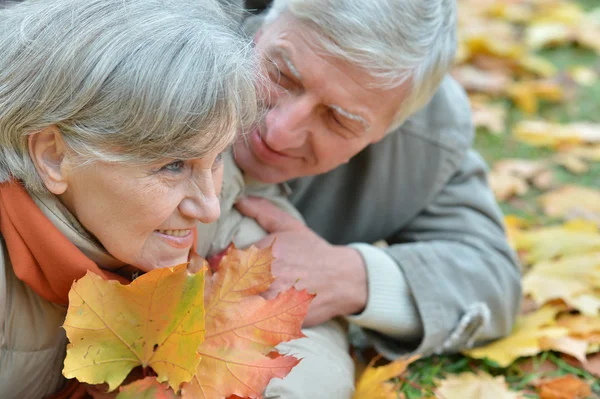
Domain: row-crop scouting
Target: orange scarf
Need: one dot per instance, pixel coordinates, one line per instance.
(42, 257)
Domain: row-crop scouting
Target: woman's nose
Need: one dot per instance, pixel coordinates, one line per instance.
(202, 203)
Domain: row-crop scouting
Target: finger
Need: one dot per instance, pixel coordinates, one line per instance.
(269, 216)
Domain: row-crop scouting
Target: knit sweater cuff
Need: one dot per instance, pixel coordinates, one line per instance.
(391, 309)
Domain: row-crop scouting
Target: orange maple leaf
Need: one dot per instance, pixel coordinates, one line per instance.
(243, 328)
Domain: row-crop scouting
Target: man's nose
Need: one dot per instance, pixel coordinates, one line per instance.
(287, 123)
(202, 202)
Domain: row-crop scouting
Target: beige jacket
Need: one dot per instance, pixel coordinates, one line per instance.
(32, 342)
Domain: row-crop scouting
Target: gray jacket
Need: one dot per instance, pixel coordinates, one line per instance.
(424, 190)
(449, 279)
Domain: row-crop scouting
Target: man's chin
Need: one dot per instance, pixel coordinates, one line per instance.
(266, 174)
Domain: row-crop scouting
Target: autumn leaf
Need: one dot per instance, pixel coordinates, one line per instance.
(582, 326)
(568, 345)
(475, 386)
(570, 200)
(510, 177)
(551, 242)
(476, 80)
(243, 328)
(156, 321)
(489, 116)
(525, 338)
(373, 383)
(573, 279)
(565, 387)
(546, 134)
(147, 388)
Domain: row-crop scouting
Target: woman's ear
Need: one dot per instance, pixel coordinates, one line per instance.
(47, 151)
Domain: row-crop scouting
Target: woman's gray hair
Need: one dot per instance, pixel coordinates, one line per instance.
(133, 81)
(394, 41)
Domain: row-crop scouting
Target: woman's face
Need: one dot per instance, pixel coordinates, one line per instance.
(145, 215)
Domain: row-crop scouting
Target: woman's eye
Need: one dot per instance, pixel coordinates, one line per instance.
(175, 166)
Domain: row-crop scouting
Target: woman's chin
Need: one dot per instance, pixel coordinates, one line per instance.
(159, 262)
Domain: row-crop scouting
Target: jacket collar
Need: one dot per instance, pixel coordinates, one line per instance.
(68, 225)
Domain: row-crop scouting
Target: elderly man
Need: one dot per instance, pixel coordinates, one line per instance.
(372, 140)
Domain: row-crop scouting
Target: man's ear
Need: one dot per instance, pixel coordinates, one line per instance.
(48, 151)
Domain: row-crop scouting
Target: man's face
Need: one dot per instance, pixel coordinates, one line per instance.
(321, 110)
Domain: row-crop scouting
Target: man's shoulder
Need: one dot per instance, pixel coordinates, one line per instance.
(445, 121)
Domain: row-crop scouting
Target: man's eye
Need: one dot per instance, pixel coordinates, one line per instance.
(175, 166)
(218, 161)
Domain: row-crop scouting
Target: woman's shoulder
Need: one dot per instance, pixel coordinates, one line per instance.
(30, 337)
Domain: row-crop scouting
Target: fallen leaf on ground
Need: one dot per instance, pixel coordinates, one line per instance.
(569, 199)
(525, 337)
(553, 135)
(505, 186)
(475, 386)
(156, 321)
(242, 328)
(527, 94)
(565, 387)
(512, 177)
(476, 80)
(571, 346)
(489, 116)
(550, 242)
(583, 76)
(592, 365)
(586, 153)
(571, 163)
(374, 381)
(573, 279)
(581, 326)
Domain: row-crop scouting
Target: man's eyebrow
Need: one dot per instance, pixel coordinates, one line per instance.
(290, 65)
(351, 116)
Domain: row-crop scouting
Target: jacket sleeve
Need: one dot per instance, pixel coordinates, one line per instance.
(457, 270)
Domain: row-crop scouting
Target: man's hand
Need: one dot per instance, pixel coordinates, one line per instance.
(303, 259)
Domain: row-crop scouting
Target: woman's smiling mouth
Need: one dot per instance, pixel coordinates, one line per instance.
(177, 238)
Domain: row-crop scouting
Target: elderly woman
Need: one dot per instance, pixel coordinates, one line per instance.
(113, 116)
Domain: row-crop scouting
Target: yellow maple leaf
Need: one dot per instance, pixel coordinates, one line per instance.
(526, 94)
(546, 134)
(581, 326)
(574, 279)
(475, 386)
(546, 243)
(373, 383)
(525, 337)
(156, 321)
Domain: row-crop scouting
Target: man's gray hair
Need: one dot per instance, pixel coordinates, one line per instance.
(394, 41)
(134, 81)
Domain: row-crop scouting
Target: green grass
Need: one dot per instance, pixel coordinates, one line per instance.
(423, 374)
(584, 106)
